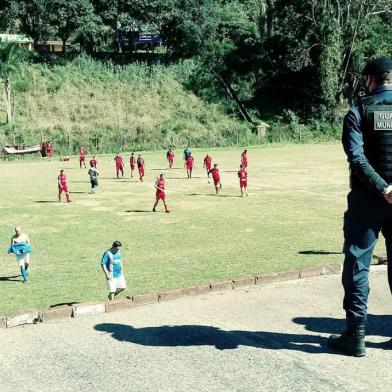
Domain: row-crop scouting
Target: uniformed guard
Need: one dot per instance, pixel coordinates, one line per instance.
(367, 142)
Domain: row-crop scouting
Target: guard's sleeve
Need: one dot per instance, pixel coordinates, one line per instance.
(352, 139)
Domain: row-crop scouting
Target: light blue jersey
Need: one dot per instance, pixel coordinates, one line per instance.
(113, 262)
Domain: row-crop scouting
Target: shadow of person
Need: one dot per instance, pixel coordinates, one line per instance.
(10, 278)
(377, 325)
(202, 335)
(318, 252)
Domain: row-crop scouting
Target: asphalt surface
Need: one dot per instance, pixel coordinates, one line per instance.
(270, 338)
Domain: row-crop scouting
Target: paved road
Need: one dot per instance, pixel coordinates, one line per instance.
(259, 339)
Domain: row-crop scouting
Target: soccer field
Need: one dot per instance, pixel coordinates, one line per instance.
(292, 218)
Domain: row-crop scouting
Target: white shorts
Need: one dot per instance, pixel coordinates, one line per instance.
(116, 283)
(22, 259)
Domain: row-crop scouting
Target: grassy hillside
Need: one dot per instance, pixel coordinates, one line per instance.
(107, 107)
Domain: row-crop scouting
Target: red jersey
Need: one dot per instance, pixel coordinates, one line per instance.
(140, 162)
(207, 162)
(170, 156)
(49, 150)
(160, 184)
(242, 174)
(82, 152)
(119, 161)
(62, 180)
(215, 174)
(244, 159)
(132, 161)
(93, 162)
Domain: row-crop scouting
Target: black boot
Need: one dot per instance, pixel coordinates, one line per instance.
(351, 341)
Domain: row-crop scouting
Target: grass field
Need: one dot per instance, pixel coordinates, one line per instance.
(292, 218)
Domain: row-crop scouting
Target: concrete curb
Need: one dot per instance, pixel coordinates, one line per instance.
(88, 308)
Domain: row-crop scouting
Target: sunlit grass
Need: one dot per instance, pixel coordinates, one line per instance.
(295, 204)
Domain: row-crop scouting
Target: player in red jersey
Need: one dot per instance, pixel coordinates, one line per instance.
(140, 166)
(132, 163)
(93, 162)
(244, 159)
(160, 193)
(207, 164)
(49, 149)
(62, 185)
(216, 178)
(119, 165)
(170, 158)
(189, 165)
(82, 157)
(243, 176)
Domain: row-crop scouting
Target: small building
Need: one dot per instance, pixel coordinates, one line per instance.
(51, 46)
(20, 39)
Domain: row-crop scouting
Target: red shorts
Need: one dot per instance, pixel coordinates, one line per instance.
(119, 167)
(216, 181)
(171, 161)
(141, 170)
(81, 158)
(208, 168)
(63, 188)
(189, 166)
(243, 183)
(160, 195)
(132, 167)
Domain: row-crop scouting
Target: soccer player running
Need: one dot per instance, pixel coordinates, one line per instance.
(119, 165)
(20, 246)
(93, 173)
(216, 178)
(189, 163)
(207, 164)
(243, 176)
(112, 266)
(244, 159)
(82, 157)
(63, 186)
(170, 158)
(132, 163)
(93, 162)
(160, 192)
(140, 166)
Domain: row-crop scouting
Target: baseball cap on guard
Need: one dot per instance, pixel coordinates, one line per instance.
(378, 66)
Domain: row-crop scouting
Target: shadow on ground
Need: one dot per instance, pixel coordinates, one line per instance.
(15, 278)
(200, 335)
(318, 252)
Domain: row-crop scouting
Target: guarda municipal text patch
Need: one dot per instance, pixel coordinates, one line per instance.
(383, 120)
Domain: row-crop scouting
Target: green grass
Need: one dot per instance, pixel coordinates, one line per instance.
(296, 203)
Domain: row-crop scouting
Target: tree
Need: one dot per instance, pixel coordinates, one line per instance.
(9, 62)
(69, 16)
(33, 17)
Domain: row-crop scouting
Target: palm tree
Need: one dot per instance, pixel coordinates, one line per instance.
(9, 63)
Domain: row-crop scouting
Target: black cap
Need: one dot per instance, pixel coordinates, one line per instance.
(377, 66)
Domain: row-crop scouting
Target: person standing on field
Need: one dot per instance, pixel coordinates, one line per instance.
(160, 192)
(140, 167)
(93, 173)
(82, 157)
(207, 164)
(20, 246)
(216, 178)
(189, 163)
(367, 141)
(112, 266)
(119, 165)
(132, 163)
(243, 176)
(63, 186)
(170, 158)
(244, 159)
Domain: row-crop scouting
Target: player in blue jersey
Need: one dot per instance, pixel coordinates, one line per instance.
(112, 266)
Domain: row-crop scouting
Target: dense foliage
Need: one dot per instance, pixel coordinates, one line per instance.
(285, 60)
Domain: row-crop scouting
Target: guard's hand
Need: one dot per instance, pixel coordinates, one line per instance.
(388, 194)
